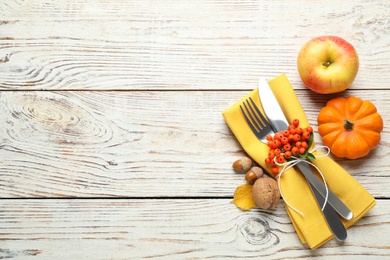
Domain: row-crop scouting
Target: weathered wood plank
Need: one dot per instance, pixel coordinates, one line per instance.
(174, 229)
(141, 144)
(151, 139)
(175, 44)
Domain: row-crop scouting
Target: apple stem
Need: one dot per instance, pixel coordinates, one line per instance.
(326, 63)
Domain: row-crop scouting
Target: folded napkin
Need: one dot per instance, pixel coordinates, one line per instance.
(311, 228)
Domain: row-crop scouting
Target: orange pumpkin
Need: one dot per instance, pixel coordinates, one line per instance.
(350, 126)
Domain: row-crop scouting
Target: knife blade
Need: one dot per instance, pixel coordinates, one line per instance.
(279, 122)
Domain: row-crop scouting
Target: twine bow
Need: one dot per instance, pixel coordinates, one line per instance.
(291, 163)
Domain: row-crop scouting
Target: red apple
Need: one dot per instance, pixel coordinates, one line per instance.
(328, 64)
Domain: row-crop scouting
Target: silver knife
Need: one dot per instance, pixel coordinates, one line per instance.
(279, 122)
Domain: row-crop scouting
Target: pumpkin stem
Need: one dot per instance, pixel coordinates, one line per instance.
(348, 125)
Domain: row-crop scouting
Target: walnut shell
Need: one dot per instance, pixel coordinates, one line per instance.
(266, 193)
(242, 165)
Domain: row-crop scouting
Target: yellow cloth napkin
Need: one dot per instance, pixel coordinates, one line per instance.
(311, 228)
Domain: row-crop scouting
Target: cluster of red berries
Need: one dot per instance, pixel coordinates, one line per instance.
(293, 141)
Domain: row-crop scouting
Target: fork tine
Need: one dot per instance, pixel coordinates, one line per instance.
(263, 120)
(254, 130)
(256, 120)
(254, 115)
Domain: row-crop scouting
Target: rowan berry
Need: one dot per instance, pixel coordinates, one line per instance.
(288, 143)
(297, 137)
(286, 133)
(279, 159)
(305, 135)
(287, 147)
(309, 129)
(271, 154)
(275, 143)
(277, 136)
(294, 150)
(284, 140)
(287, 154)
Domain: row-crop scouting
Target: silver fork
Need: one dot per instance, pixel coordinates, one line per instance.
(261, 128)
(256, 121)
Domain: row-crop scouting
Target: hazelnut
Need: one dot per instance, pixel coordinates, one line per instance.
(242, 165)
(253, 174)
(266, 193)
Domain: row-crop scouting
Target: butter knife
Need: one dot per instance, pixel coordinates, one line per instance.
(279, 123)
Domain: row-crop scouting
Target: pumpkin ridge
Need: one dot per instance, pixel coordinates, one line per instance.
(371, 138)
(371, 122)
(330, 127)
(358, 150)
(366, 109)
(353, 106)
(336, 109)
(331, 138)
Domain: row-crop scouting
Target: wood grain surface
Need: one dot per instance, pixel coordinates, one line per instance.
(171, 228)
(112, 142)
(189, 44)
(139, 144)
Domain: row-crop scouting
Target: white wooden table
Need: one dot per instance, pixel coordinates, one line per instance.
(112, 142)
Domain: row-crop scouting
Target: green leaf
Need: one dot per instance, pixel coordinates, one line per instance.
(311, 139)
(310, 156)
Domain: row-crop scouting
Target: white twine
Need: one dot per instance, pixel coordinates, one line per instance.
(289, 164)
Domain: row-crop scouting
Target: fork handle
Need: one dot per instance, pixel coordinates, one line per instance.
(319, 186)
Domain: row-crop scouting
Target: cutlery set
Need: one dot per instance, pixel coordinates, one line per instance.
(274, 121)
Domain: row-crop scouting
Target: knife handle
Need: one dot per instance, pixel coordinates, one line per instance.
(333, 200)
(332, 218)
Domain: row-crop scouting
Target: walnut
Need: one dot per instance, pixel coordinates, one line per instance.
(266, 193)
